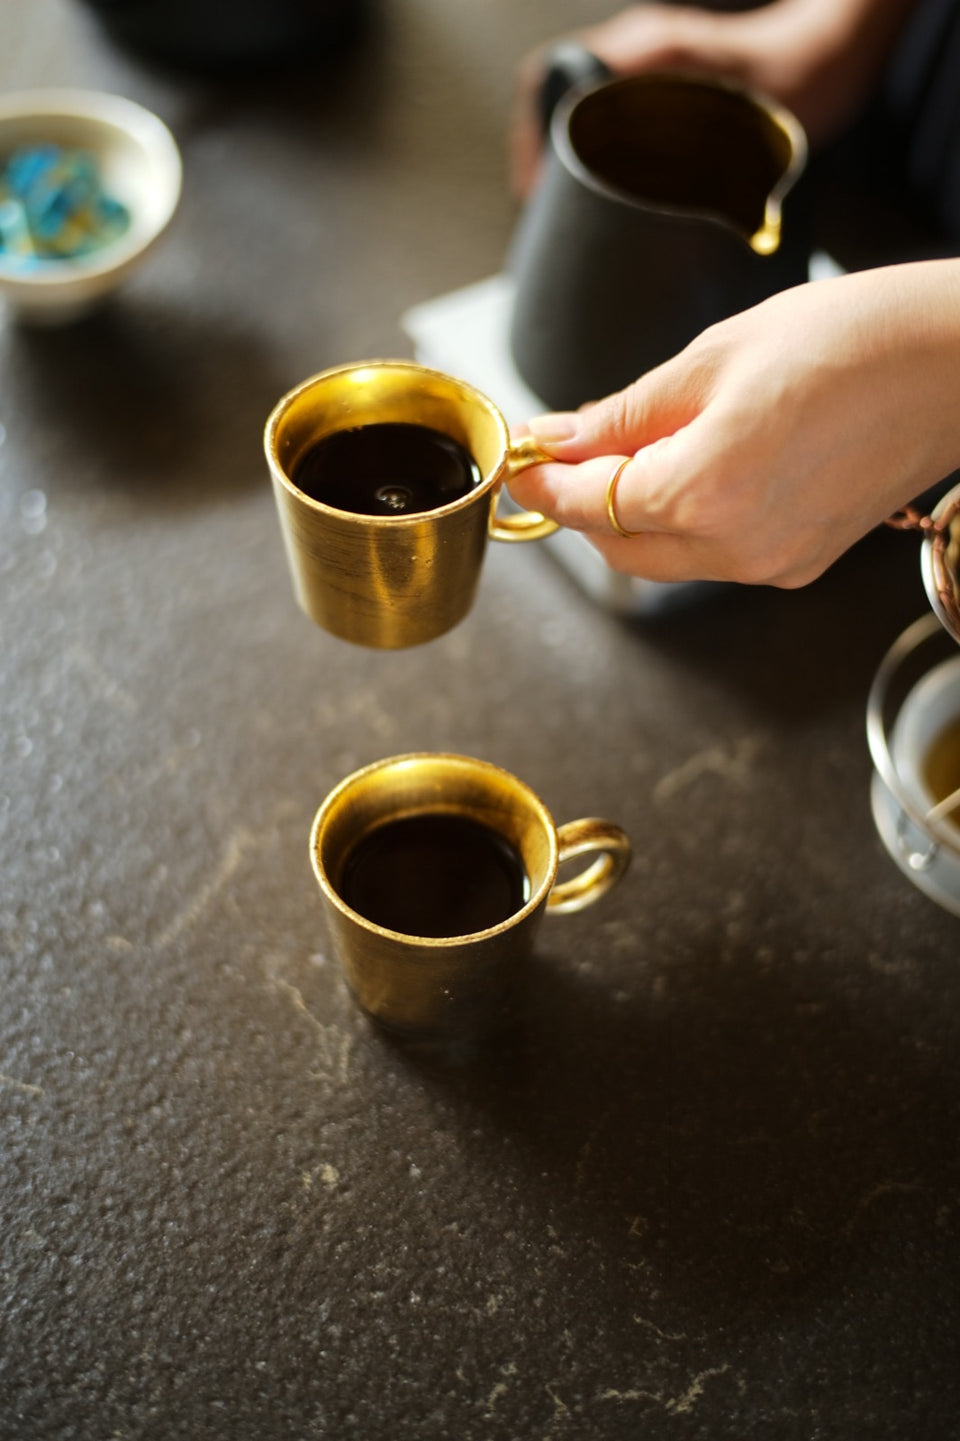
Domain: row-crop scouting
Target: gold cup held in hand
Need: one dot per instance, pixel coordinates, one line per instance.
(435, 871)
(386, 477)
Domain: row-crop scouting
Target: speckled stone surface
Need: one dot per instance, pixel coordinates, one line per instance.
(708, 1185)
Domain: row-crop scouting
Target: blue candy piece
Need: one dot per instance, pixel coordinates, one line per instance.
(26, 166)
(52, 204)
(14, 230)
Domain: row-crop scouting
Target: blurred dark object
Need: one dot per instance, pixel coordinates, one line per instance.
(218, 35)
(922, 96)
(889, 188)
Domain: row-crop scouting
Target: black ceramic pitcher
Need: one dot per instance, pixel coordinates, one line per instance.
(660, 210)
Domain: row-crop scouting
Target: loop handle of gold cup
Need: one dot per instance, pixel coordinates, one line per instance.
(586, 837)
(524, 524)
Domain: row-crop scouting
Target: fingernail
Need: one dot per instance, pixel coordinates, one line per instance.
(555, 427)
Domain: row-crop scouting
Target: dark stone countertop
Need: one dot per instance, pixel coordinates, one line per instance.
(709, 1187)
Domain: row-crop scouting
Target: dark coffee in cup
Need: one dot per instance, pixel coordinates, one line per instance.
(435, 874)
(389, 468)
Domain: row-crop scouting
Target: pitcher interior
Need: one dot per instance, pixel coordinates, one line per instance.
(683, 144)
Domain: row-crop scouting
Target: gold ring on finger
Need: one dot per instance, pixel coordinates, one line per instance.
(615, 525)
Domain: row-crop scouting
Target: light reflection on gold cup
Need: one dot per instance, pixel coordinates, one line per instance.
(456, 985)
(392, 581)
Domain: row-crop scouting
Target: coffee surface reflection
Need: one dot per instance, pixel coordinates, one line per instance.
(388, 468)
(435, 874)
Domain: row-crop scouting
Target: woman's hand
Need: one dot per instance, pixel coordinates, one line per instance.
(775, 439)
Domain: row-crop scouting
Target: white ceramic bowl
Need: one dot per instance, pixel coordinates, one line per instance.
(139, 165)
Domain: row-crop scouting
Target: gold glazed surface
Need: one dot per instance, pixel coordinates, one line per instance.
(460, 984)
(392, 581)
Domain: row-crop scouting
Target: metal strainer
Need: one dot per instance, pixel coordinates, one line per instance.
(940, 557)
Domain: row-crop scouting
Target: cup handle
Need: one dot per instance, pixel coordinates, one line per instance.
(568, 64)
(579, 838)
(521, 524)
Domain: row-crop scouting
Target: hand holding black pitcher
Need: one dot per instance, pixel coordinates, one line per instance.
(660, 210)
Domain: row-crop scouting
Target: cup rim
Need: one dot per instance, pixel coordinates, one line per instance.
(881, 740)
(453, 760)
(391, 522)
(560, 133)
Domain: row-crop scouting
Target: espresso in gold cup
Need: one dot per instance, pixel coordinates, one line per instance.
(386, 477)
(436, 871)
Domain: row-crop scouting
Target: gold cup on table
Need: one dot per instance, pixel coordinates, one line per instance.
(386, 476)
(435, 871)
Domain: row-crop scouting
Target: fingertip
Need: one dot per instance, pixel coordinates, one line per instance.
(554, 429)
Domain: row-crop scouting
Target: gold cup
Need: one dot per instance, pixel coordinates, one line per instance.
(391, 581)
(452, 985)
